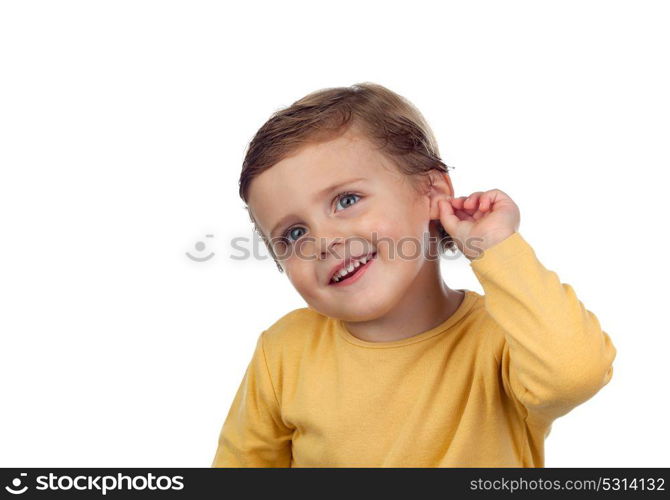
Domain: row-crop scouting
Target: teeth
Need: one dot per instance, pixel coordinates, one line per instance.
(350, 267)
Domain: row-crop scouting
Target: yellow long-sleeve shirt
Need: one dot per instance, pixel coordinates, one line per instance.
(479, 390)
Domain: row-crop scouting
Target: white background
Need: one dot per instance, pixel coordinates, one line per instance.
(123, 126)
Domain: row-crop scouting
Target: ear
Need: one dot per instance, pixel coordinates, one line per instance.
(439, 189)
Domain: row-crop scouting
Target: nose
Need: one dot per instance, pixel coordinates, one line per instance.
(327, 246)
(329, 240)
(339, 245)
(334, 239)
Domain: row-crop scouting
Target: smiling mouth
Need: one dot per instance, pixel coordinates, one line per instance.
(354, 274)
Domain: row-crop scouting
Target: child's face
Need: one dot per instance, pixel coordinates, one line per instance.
(384, 214)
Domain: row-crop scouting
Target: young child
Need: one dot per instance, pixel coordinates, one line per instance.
(387, 366)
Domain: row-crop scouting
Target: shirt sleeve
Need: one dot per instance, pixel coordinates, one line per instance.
(555, 355)
(253, 434)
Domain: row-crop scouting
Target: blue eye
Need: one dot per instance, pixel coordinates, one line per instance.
(348, 196)
(292, 234)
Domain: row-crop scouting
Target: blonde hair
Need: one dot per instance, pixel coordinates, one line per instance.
(387, 119)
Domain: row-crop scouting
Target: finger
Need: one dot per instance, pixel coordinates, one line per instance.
(494, 196)
(463, 216)
(485, 202)
(472, 202)
(478, 214)
(448, 218)
(488, 199)
(457, 203)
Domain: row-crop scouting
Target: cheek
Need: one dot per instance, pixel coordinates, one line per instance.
(300, 273)
(395, 232)
(379, 222)
(380, 232)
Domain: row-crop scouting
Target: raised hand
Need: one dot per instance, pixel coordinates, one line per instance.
(479, 221)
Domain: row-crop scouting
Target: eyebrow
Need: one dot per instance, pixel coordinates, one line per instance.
(318, 196)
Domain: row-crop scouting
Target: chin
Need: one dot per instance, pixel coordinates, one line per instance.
(364, 309)
(374, 300)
